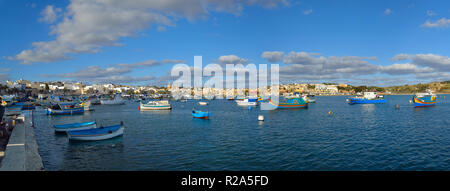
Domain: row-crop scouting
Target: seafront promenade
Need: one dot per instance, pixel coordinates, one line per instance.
(21, 152)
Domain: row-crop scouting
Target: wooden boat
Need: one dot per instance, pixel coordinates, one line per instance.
(295, 102)
(116, 101)
(87, 106)
(96, 134)
(75, 126)
(367, 98)
(424, 99)
(200, 114)
(60, 109)
(155, 105)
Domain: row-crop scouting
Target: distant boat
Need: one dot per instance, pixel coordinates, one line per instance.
(60, 109)
(96, 134)
(367, 98)
(294, 102)
(116, 101)
(311, 98)
(155, 105)
(247, 102)
(202, 103)
(424, 99)
(75, 126)
(87, 106)
(200, 114)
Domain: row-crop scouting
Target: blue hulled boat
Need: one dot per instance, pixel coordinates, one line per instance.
(367, 98)
(75, 126)
(96, 134)
(69, 109)
(424, 99)
(200, 114)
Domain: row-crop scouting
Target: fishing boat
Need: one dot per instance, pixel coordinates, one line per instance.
(291, 102)
(75, 126)
(87, 106)
(367, 98)
(60, 109)
(203, 103)
(96, 134)
(200, 114)
(247, 102)
(311, 98)
(424, 99)
(155, 105)
(116, 101)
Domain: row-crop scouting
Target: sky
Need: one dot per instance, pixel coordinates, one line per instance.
(137, 42)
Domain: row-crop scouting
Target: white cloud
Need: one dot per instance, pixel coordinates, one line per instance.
(430, 13)
(89, 25)
(231, 59)
(399, 57)
(273, 56)
(387, 11)
(50, 14)
(404, 69)
(113, 73)
(307, 12)
(441, 23)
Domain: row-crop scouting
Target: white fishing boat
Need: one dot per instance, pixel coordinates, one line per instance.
(155, 105)
(246, 102)
(203, 103)
(116, 101)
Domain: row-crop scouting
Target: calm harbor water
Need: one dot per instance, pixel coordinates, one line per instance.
(354, 137)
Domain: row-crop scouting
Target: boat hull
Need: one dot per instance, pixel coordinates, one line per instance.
(365, 101)
(423, 103)
(61, 130)
(65, 111)
(154, 107)
(96, 134)
(201, 115)
(112, 102)
(291, 104)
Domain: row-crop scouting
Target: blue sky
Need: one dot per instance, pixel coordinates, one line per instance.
(320, 41)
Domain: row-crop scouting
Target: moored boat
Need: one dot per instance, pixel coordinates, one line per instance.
(247, 102)
(311, 98)
(60, 109)
(155, 105)
(292, 102)
(367, 98)
(200, 114)
(75, 126)
(424, 99)
(116, 101)
(96, 134)
(202, 103)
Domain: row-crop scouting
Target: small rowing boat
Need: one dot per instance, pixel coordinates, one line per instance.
(96, 134)
(200, 114)
(75, 126)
